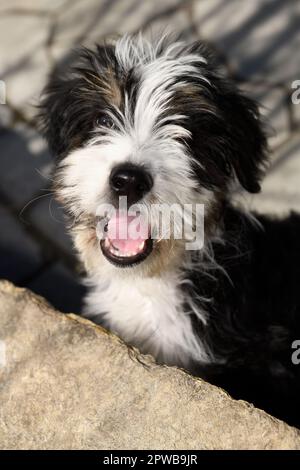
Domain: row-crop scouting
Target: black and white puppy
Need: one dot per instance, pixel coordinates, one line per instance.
(156, 122)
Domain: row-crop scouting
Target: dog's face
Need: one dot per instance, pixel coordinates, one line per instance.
(154, 123)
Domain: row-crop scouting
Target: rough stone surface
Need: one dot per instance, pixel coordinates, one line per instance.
(23, 58)
(68, 384)
(31, 6)
(255, 35)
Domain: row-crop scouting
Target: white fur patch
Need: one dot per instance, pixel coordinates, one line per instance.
(148, 313)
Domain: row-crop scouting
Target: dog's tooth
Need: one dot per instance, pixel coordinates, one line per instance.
(113, 250)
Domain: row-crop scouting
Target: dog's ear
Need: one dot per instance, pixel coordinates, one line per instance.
(53, 113)
(246, 147)
(72, 98)
(232, 132)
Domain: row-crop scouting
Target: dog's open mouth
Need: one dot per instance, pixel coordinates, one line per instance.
(127, 240)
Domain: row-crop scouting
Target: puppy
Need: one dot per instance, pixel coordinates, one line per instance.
(157, 124)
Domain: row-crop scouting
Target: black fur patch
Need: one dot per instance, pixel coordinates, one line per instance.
(254, 317)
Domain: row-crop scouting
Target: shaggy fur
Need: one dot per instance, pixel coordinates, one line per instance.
(229, 311)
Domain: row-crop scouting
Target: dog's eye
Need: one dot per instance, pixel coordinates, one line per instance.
(105, 121)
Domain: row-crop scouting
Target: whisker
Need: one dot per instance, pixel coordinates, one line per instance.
(31, 202)
(46, 177)
(51, 213)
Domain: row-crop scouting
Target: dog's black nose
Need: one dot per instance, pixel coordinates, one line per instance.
(131, 181)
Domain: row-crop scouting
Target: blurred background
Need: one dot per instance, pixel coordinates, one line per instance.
(257, 42)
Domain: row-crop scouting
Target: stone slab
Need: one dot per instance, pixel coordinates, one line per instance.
(68, 384)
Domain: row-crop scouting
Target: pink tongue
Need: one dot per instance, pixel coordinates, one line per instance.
(127, 233)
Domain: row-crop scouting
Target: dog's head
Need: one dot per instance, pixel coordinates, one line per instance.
(155, 123)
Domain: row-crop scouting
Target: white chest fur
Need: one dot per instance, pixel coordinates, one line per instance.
(148, 314)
